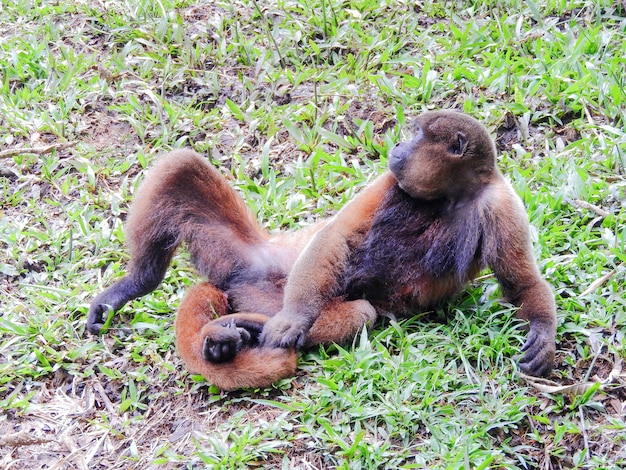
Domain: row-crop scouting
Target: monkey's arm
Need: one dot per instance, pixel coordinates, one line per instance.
(312, 281)
(514, 265)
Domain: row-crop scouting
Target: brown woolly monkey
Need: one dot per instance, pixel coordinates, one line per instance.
(411, 240)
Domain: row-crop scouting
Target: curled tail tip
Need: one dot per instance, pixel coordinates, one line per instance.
(251, 368)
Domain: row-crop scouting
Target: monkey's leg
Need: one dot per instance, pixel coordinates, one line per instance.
(202, 304)
(182, 199)
(146, 272)
(340, 321)
(224, 348)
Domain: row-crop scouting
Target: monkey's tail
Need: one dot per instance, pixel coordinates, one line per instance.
(251, 366)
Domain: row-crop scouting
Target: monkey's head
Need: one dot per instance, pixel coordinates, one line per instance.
(451, 155)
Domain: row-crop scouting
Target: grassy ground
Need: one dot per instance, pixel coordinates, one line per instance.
(298, 102)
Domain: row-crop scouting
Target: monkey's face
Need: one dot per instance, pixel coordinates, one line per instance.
(450, 155)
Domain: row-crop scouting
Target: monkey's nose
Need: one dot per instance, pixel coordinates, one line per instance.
(398, 157)
(401, 151)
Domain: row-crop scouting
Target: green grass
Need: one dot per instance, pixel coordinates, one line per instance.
(298, 102)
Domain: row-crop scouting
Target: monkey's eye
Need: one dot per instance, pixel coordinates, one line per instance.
(459, 145)
(417, 132)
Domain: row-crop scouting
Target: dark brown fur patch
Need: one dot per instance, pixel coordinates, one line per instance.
(412, 242)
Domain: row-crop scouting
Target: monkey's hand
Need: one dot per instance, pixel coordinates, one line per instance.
(285, 331)
(101, 311)
(539, 350)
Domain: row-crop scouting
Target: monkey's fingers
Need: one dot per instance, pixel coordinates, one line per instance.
(246, 337)
(94, 322)
(538, 357)
(283, 333)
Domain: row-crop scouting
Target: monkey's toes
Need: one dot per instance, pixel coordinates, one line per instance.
(218, 352)
(537, 364)
(95, 317)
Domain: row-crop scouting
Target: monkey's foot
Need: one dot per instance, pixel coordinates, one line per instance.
(96, 316)
(226, 336)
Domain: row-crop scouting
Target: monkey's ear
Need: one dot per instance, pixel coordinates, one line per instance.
(459, 147)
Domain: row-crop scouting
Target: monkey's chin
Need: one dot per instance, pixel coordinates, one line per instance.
(417, 193)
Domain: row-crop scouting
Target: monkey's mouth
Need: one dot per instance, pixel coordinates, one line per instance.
(396, 164)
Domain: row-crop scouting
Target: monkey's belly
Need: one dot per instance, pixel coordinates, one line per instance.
(258, 293)
(401, 297)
